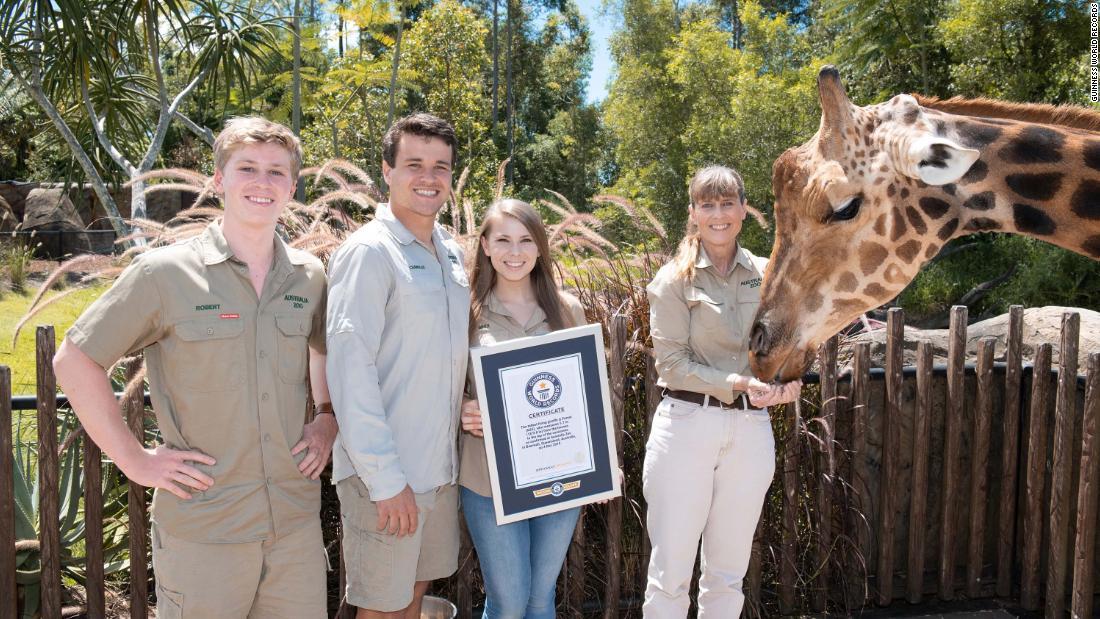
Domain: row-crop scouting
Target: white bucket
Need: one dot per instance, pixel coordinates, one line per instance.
(437, 608)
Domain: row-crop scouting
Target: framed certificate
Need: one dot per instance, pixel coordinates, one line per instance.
(546, 413)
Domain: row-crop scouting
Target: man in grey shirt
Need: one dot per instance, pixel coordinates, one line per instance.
(398, 313)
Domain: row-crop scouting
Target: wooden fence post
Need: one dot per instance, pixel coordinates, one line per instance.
(93, 528)
(857, 523)
(979, 465)
(48, 508)
(891, 420)
(1035, 479)
(826, 479)
(1060, 473)
(918, 504)
(1088, 491)
(139, 571)
(956, 393)
(788, 554)
(617, 377)
(8, 605)
(1013, 402)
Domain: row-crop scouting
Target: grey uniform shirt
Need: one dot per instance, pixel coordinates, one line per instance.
(397, 350)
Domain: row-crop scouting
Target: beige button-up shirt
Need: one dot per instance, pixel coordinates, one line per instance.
(700, 328)
(497, 325)
(398, 344)
(227, 377)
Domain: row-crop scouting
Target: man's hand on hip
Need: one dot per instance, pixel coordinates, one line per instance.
(167, 468)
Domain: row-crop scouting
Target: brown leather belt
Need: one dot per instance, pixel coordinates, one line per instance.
(700, 399)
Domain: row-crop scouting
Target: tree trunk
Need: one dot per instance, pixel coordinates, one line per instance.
(98, 185)
(296, 89)
(496, 56)
(396, 65)
(509, 90)
(340, 32)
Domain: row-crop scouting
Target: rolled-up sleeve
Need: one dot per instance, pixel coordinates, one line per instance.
(670, 328)
(122, 321)
(360, 284)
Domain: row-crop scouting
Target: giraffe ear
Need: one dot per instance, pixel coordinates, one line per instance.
(939, 161)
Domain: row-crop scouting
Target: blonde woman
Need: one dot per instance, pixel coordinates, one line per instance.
(514, 295)
(710, 454)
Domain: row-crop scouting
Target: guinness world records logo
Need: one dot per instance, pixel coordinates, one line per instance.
(543, 390)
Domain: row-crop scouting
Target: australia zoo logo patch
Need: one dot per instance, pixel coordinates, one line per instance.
(543, 390)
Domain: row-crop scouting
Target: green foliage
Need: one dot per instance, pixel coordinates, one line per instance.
(1020, 50)
(446, 51)
(1040, 274)
(885, 48)
(708, 102)
(15, 259)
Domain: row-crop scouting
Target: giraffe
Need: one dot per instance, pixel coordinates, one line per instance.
(880, 189)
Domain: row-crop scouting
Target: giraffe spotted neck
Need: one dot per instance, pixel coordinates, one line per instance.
(880, 189)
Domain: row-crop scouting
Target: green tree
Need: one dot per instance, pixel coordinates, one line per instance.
(694, 98)
(646, 111)
(101, 64)
(446, 54)
(1020, 50)
(885, 48)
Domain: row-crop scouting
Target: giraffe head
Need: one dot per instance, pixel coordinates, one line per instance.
(854, 221)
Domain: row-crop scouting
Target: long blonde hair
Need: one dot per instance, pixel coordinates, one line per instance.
(542, 276)
(710, 183)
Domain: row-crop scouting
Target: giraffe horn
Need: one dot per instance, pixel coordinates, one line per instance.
(836, 110)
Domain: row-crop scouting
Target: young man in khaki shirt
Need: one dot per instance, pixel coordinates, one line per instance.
(399, 307)
(229, 322)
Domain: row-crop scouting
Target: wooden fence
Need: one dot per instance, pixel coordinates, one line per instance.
(1017, 523)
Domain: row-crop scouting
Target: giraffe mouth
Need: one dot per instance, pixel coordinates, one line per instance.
(780, 365)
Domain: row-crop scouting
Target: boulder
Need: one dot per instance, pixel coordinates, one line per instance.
(1041, 325)
(8, 222)
(52, 214)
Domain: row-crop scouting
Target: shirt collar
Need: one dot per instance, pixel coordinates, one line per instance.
(215, 250)
(385, 214)
(493, 304)
(740, 257)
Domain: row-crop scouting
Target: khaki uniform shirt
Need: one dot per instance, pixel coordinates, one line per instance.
(701, 328)
(497, 325)
(227, 377)
(398, 344)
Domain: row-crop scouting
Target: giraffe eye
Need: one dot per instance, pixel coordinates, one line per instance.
(848, 211)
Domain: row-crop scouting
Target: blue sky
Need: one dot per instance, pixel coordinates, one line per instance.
(601, 25)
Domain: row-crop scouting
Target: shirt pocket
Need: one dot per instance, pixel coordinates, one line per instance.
(748, 301)
(458, 274)
(293, 346)
(423, 297)
(706, 311)
(210, 354)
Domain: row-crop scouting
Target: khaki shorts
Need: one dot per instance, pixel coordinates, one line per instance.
(382, 568)
(278, 578)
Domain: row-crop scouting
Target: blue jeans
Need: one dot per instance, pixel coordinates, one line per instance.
(520, 561)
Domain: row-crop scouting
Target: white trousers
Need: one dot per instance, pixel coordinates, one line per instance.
(706, 473)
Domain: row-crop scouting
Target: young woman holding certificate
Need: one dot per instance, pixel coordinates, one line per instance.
(710, 454)
(514, 295)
